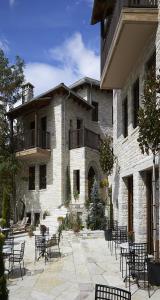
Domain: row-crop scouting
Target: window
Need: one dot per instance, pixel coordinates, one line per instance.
(76, 178)
(135, 95)
(151, 63)
(125, 117)
(95, 112)
(42, 177)
(31, 178)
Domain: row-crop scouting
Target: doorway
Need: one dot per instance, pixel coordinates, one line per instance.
(130, 203)
(149, 211)
(91, 178)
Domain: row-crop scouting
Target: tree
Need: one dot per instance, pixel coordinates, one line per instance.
(3, 284)
(107, 157)
(11, 79)
(96, 216)
(149, 138)
(68, 188)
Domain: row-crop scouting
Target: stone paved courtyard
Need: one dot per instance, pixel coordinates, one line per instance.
(84, 262)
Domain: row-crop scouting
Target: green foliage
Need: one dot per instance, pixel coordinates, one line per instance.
(87, 203)
(107, 158)
(3, 223)
(76, 195)
(68, 188)
(11, 78)
(3, 283)
(96, 216)
(6, 207)
(72, 221)
(149, 115)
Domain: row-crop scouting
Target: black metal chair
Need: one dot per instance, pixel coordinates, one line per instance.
(136, 263)
(40, 246)
(104, 292)
(120, 236)
(17, 257)
(53, 244)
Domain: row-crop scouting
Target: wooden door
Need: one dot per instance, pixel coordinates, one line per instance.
(130, 203)
(149, 211)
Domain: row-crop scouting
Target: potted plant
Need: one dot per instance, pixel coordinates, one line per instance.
(43, 229)
(131, 236)
(30, 230)
(149, 141)
(76, 195)
(60, 220)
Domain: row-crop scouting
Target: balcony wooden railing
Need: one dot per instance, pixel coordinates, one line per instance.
(119, 5)
(32, 140)
(83, 138)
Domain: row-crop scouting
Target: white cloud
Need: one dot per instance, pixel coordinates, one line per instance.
(71, 60)
(4, 45)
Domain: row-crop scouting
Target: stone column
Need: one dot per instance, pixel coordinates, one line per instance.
(139, 207)
(123, 203)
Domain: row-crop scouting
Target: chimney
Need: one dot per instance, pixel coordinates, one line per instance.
(27, 92)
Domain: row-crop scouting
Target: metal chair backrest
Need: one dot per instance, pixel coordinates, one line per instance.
(104, 292)
(22, 249)
(138, 253)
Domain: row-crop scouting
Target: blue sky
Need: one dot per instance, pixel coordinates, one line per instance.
(54, 37)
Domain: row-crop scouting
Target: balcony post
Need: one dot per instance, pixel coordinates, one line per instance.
(36, 129)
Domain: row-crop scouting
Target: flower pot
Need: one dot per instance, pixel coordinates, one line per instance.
(154, 273)
(108, 234)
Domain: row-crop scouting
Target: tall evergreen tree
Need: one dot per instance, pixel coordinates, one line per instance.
(11, 79)
(96, 216)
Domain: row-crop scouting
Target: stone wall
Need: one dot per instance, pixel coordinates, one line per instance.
(130, 160)
(60, 111)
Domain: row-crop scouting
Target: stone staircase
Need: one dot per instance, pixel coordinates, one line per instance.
(51, 221)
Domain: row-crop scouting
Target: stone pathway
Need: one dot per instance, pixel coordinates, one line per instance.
(84, 262)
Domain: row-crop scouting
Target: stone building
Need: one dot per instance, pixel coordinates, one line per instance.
(57, 139)
(130, 47)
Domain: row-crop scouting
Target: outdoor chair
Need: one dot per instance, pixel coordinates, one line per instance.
(119, 237)
(104, 292)
(20, 225)
(113, 225)
(17, 257)
(53, 244)
(136, 263)
(40, 246)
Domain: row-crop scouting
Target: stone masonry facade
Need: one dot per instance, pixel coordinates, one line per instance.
(130, 161)
(63, 111)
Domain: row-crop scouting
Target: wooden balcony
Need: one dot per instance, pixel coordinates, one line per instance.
(127, 31)
(83, 138)
(32, 145)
